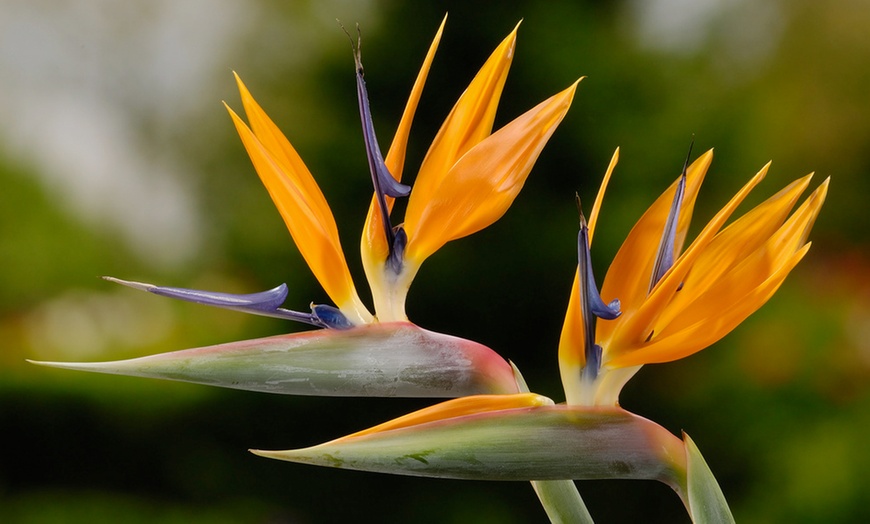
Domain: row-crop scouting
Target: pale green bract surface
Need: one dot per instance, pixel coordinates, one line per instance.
(559, 498)
(707, 504)
(537, 443)
(379, 360)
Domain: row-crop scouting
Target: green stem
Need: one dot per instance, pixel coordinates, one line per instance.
(562, 501)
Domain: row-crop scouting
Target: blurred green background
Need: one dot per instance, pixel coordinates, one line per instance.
(116, 158)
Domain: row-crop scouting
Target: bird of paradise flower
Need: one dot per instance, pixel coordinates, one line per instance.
(467, 180)
(665, 304)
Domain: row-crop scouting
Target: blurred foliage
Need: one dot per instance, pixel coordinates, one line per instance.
(779, 408)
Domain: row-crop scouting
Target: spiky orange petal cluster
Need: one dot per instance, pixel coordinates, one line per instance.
(725, 275)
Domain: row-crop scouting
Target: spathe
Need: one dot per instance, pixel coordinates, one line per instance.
(397, 359)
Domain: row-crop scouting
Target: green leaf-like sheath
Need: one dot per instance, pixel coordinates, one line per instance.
(395, 359)
(539, 443)
(562, 502)
(707, 504)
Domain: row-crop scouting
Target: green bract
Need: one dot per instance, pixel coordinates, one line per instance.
(535, 443)
(396, 359)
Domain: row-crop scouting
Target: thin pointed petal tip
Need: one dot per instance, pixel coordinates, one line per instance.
(481, 185)
(51, 364)
(141, 286)
(823, 188)
(512, 36)
(569, 92)
(264, 453)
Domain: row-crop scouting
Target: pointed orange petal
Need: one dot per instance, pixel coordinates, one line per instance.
(712, 328)
(629, 274)
(799, 225)
(395, 158)
(274, 141)
(599, 198)
(747, 233)
(484, 182)
(469, 122)
(726, 301)
(632, 331)
(306, 214)
(458, 407)
(732, 246)
(572, 355)
(373, 246)
(731, 288)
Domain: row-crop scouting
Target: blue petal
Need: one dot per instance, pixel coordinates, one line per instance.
(591, 304)
(381, 176)
(384, 183)
(590, 295)
(330, 317)
(665, 255)
(265, 303)
(396, 258)
(593, 362)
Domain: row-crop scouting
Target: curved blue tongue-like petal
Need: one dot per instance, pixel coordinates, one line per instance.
(592, 305)
(381, 176)
(590, 296)
(266, 303)
(666, 255)
(330, 317)
(384, 183)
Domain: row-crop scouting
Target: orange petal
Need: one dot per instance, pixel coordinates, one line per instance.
(469, 122)
(302, 206)
(373, 246)
(723, 298)
(634, 328)
(629, 274)
(274, 141)
(732, 246)
(458, 407)
(599, 198)
(395, 158)
(484, 182)
(709, 330)
(572, 354)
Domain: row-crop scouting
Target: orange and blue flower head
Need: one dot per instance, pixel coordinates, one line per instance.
(658, 303)
(665, 303)
(467, 180)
